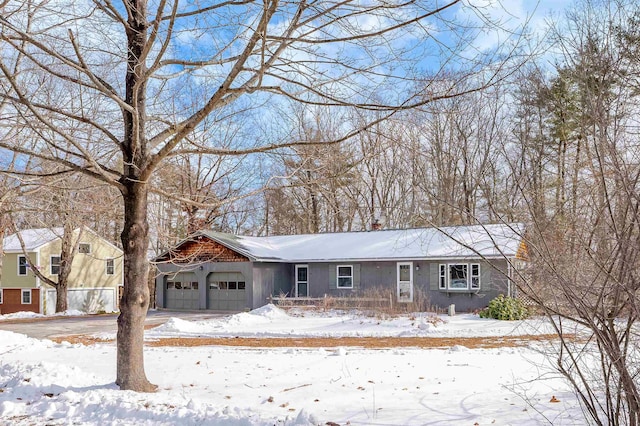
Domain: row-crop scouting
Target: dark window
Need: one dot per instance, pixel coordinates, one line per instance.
(302, 274)
(443, 276)
(84, 248)
(194, 285)
(475, 275)
(241, 285)
(178, 286)
(222, 285)
(233, 285)
(22, 265)
(55, 265)
(110, 267)
(171, 285)
(26, 297)
(345, 276)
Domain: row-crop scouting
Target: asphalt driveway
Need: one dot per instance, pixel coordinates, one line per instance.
(49, 327)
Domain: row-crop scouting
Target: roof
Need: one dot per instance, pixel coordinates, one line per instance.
(33, 239)
(476, 241)
(38, 237)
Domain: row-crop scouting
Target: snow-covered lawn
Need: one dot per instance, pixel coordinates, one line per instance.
(42, 382)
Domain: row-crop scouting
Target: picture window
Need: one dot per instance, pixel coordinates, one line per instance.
(459, 276)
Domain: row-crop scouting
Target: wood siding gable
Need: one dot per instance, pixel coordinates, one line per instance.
(202, 249)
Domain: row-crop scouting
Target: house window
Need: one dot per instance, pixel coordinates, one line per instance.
(302, 281)
(171, 285)
(22, 265)
(55, 265)
(110, 270)
(26, 296)
(475, 276)
(345, 276)
(459, 276)
(84, 248)
(0, 296)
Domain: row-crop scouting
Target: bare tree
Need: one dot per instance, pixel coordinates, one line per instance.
(113, 90)
(584, 239)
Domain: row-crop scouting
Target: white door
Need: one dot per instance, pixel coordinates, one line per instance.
(302, 281)
(405, 282)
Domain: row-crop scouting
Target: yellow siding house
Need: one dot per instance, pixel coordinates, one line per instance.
(95, 281)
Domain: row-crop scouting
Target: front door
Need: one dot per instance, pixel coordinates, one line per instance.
(302, 281)
(405, 282)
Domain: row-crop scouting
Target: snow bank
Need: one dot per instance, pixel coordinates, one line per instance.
(20, 315)
(271, 321)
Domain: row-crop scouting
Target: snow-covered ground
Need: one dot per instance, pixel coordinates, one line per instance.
(42, 382)
(33, 315)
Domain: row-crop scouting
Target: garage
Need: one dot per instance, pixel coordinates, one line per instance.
(182, 291)
(226, 291)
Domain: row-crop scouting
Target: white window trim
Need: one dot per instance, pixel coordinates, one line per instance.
(1, 297)
(106, 266)
(298, 282)
(338, 276)
(26, 269)
(447, 276)
(22, 293)
(51, 264)
(88, 244)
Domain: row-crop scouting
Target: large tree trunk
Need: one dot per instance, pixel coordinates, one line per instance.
(67, 253)
(135, 299)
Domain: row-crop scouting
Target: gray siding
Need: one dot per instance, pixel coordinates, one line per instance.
(201, 272)
(370, 276)
(266, 279)
(271, 279)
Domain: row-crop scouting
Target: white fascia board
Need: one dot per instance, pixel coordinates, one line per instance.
(390, 259)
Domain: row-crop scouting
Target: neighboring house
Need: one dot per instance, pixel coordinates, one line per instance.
(94, 282)
(466, 266)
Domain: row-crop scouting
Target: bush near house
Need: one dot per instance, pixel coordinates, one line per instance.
(505, 308)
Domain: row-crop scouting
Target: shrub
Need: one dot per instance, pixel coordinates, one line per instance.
(505, 308)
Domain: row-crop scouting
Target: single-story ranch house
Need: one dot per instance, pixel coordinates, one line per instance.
(465, 265)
